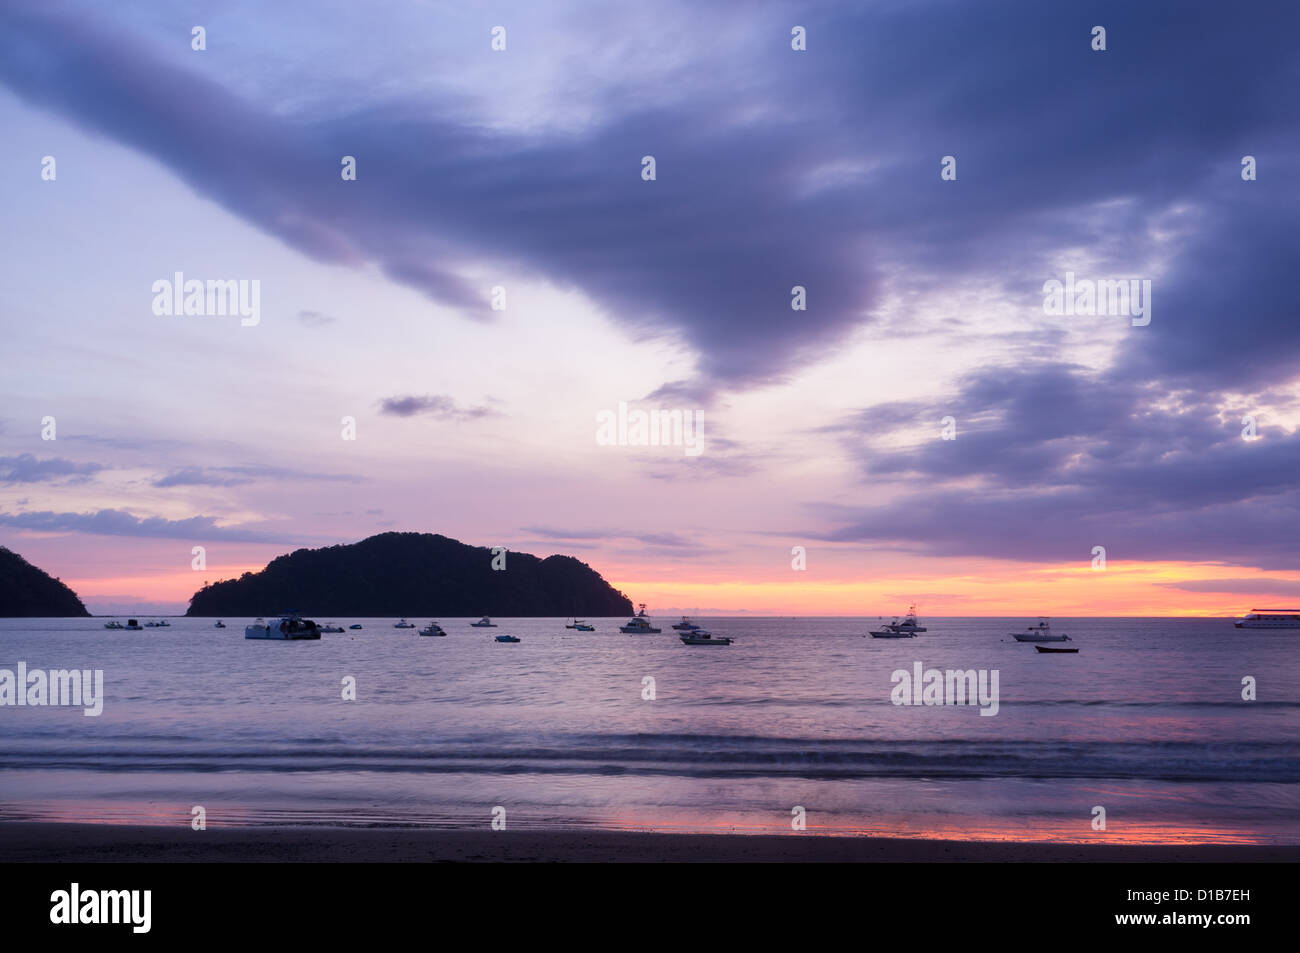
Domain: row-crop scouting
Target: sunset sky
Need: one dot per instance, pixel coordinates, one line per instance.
(522, 169)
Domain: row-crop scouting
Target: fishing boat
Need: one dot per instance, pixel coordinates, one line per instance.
(905, 629)
(219, 625)
(686, 625)
(1269, 619)
(507, 638)
(355, 626)
(114, 625)
(701, 637)
(404, 625)
(432, 628)
(1042, 632)
(1048, 648)
(289, 627)
(910, 622)
(640, 624)
(133, 625)
(484, 623)
(892, 631)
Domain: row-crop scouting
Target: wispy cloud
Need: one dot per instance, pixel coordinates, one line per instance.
(432, 405)
(1250, 586)
(590, 535)
(121, 523)
(237, 475)
(26, 468)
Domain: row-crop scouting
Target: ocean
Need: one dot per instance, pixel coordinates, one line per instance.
(794, 723)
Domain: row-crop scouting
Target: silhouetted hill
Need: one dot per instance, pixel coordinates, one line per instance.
(27, 591)
(413, 574)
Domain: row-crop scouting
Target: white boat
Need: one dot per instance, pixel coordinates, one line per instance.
(900, 630)
(640, 624)
(114, 625)
(686, 625)
(700, 637)
(891, 631)
(1042, 632)
(1270, 619)
(219, 625)
(287, 627)
(404, 625)
(332, 628)
(484, 623)
(433, 628)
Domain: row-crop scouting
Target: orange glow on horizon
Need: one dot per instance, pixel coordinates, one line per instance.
(1130, 589)
(989, 589)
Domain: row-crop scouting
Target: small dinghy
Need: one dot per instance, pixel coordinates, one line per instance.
(356, 626)
(506, 638)
(219, 625)
(1048, 648)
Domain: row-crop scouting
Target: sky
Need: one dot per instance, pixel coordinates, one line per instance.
(501, 275)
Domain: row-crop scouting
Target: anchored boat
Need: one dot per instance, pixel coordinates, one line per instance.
(484, 623)
(507, 638)
(701, 637)
(1042, 632)
(640, 624)
(1048, 648)
(433, 628)
(900, 630)
(404, 625)
(290, 627)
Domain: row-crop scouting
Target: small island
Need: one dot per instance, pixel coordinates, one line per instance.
(414, 574)
(28, 592)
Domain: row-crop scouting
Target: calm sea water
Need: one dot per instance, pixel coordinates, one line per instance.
(1146, 721)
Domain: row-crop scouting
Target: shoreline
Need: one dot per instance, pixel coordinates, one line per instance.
(44, 842)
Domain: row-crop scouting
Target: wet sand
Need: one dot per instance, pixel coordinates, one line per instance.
(94, 843)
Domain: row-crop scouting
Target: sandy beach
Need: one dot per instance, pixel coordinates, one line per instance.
(22, 842)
